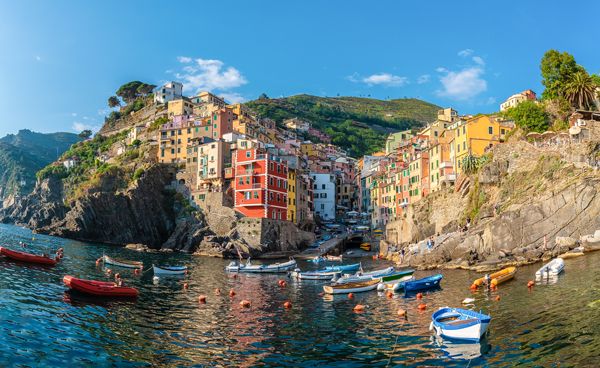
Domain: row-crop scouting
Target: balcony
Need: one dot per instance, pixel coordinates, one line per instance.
(210, 175)
(448, 177)
(250, 202)
(246, 172)
(165, 145)
(446, 164)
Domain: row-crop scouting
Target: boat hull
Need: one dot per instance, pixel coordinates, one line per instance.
(344, 268)
(553, 268)
(367, 276)
(397, 276)
(356, 287)
(122, 263)
(499, 277)
(166, 271)
(424, 283)
(99, 288)
(275, 268)
(460, 324)
(396, 284)
(318, 275)
(26, 257)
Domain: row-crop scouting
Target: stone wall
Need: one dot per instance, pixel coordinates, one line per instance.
(280, 235)
(520, 154)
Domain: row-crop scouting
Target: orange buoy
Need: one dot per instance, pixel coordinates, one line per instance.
(185, 286)
(287, 304)
(117, 275)
(234, 276)
(493, 287)
(422, 306)
(201, 298)
(359, 307)
(108, 271)
(232, 293)
(57, 253)
(187, 272)
(419, 295)
(497, 298)
(389, 295)
(321, 294)
(401, 312)
(473, 287)
(137, 272)
(57, 258)
(201, 266)
(245, 303)
(532, 283)
(217, 291)
(60, 249)
(98, 260)
(280, 282)
(351, 295)
(60, 255)
(141, 267)
(284, 283)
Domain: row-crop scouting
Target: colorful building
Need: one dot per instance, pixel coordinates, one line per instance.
(292, 213)
(260, 184)
(516, 99)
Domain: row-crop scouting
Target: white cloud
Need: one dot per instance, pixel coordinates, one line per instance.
(465, 53)
(79, 127)
(88, 118)
(478, 60)
(184, 59)
(207, 75)
(385, 79)
(441, 70)
(233, 97)
(353, 78)
(490, 101)
(38, 58)
(464, 84)
(169, 71)
(107, 111)
(74, 114)
(423, 79)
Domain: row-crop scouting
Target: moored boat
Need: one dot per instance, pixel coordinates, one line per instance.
(424, 283)
(354, 287)
(98, 287)
(360, 276)
(553, 268)
(395, 284)
(27, 257)
(271, 268)
(121, 262)
(459, 323)
(344, 268)
(176, 270)
(317, 275)
(498, 277)
(396, 276)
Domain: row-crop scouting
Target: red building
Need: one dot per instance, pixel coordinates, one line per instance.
(222, 122)
(260, 184)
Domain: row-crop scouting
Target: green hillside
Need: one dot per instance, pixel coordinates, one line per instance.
(23, 154)
(334, 115)
(16, 165)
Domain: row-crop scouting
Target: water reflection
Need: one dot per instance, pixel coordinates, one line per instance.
(461, 350)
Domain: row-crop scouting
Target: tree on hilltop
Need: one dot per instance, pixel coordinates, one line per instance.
(129, 91)
(529, 116)
(113, 101)
(86, 134)
(580, 90)
(557, 70)
(263, 96)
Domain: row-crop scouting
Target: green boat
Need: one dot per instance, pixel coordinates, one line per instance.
(396, 276)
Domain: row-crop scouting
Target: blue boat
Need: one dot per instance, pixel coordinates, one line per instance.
(460, 324)
(345, 268)
(424, 283)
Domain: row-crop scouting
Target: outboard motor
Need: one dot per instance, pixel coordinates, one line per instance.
(233, 264)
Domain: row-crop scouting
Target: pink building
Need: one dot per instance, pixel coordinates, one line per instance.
(320, 135)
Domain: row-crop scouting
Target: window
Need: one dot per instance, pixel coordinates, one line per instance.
(464, 129)
(278, 197)
(322, 186)
(206, 129)
(189, 130)
(247, 195)
(322, 206)
(458, 149)
(279, 183)
(502, 131)
(271, 195)
(464, 145)
(248, 154)
(247, 180)
(215, 126)
(272, 166)
(241, 180)
(490, 130)
(285, 185)
(294, 202)
(179, 141)
(162, 153)
(179, 132)
(271, 181)
(196, 130)
(278, 168)
(323, 195)
(457, 132)
(172, 151)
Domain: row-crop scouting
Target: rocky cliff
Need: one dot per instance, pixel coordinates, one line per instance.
(543, 195)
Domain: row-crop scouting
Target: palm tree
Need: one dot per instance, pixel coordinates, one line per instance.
(580, 89)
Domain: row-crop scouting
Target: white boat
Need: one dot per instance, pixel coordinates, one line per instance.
(554, 267)
(459, 324)
(395, 284)
(360, 276)
(318, 275)
(354, 287)
(121, 263)
(177, 270)
(272, 268)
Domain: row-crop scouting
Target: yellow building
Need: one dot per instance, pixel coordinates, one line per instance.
(310, 149)
(476, 135)
(207, 103)
(175, 137)
(435, 129)
(448, 114)
(292, 214)
(180, 107)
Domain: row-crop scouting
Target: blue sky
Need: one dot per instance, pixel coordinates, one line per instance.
(61, 60)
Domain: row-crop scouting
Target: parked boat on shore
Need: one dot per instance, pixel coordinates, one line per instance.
(459, 323)
(121, 262)
(99, 287)
(354, 287)
(272, 268)
(27, 257)
(177, 270)
(498, 277)
(360, 276)
(424, 283)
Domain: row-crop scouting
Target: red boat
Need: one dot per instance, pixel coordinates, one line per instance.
(98, 287)
(26, 257)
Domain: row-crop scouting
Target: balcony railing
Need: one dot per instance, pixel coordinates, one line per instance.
(247, 172)
(207, 175)
(449, 177)
(446, 164)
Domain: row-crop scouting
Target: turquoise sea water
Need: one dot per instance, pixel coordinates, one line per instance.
(44, 324)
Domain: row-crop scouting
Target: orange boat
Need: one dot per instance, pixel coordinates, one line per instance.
(98, 287)
(26, 257)
(498, 277)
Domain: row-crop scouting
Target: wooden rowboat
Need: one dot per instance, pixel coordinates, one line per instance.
(459, 323)
(177, 270)
(498, 277)
(355, 287)
(122, 263)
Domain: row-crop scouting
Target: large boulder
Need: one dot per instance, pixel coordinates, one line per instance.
(566, 241)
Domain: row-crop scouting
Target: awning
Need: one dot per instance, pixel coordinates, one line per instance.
(574, 130)
(341, 207)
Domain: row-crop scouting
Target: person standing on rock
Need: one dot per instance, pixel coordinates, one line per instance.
(580, 240)
(545, 248)
(402, 256)
(429, 244)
